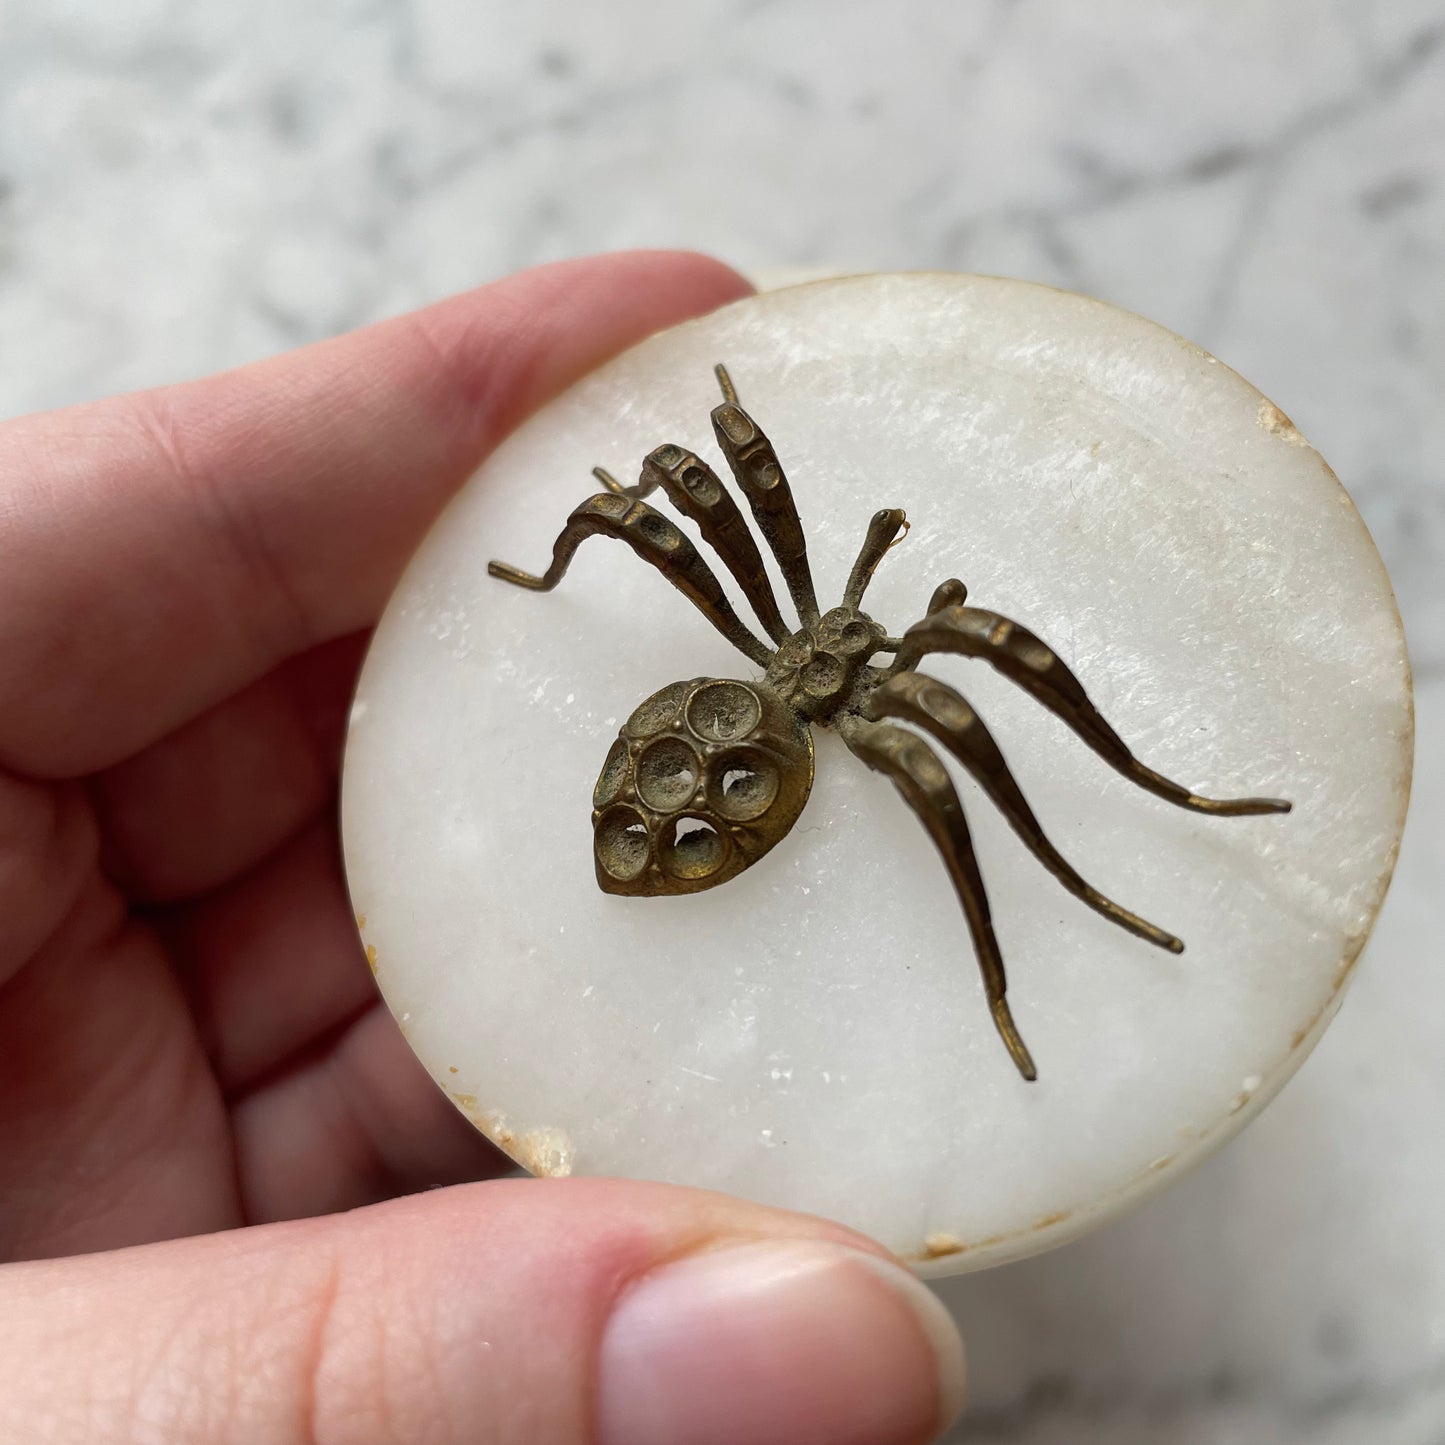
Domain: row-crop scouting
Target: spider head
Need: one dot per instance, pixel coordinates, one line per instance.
(703, 779)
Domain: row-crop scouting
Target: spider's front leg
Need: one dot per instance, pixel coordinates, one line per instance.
(698, 493)
(655, 540)
(1028, 661)
(922, 780)
(759, 474)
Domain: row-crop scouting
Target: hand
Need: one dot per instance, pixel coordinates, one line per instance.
(191, 1048)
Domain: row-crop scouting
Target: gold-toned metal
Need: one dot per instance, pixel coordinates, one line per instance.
(704, 778)
(924, 783)
(725, 384)
(698, 493)
(883, 535)
(707, 775)
(655, 540)
(1026, 660)
(938, 710)
(759, 473)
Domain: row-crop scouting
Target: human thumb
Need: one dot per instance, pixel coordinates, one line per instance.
(526, 1312)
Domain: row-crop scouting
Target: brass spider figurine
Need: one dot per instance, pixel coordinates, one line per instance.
(707, 775)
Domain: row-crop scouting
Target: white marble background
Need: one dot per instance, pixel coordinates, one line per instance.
(185, 184)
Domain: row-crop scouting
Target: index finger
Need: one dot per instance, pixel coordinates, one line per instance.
(162, 549)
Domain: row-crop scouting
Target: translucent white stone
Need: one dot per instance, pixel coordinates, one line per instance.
(814, 1033)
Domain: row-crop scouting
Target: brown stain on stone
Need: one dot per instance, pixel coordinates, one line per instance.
(546, 1153)
(452, 1069)
(1047, 1221)
(360, 921)
(1274, 421)
(940, 1246)
(371, 957)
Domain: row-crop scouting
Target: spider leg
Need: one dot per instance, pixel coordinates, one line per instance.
(752, 460)
(944, 715)
(922, 780)
(614, 486)
(947, 594)
(1029, 662)
(655, 540)
(882, 532)
(699, 494)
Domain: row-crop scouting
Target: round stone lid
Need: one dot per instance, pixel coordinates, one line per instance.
(814, 1032)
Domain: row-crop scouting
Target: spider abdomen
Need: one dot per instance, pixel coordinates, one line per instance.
(703, 779)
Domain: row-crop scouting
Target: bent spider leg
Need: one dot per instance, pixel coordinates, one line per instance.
(752, 460)
(699, 494)
(655, 540)
(947, 594)
(1026, 660)
(616, 487)
(922, 780)
(943, 714)
(882, 532)
(725, 383)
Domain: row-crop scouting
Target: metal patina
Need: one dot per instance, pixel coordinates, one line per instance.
(707, 775)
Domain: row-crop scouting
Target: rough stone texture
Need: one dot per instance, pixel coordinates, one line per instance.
(814, 1033)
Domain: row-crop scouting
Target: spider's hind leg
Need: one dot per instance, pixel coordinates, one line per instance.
(922, 780)
(941, 712)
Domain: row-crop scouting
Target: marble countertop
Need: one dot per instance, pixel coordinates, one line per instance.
(184, 186)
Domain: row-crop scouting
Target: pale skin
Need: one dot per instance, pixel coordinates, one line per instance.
(196, 1075)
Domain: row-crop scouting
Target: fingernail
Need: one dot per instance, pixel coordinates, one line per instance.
(785, 1343)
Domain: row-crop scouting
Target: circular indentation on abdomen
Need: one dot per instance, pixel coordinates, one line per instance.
(612, 776)
(667, 774)
(620, 842)
(693, 849)
(745, 783)
(722, 712)
(657, 712)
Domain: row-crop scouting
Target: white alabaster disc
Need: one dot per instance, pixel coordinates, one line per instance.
(814, 1033)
